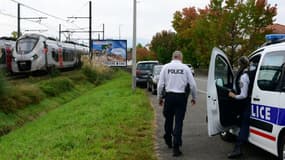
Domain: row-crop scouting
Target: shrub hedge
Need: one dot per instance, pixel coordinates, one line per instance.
(56, 86)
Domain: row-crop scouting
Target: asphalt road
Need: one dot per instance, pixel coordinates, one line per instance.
(197, 145)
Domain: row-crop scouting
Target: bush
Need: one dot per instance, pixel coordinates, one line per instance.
(90, 73)
(97, 73)
(56, 86)
(78, 77)
(53, 71)
(18, 97)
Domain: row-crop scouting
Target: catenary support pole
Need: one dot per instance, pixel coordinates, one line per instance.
(134, 46)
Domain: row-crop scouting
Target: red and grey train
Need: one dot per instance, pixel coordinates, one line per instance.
(35, 52)
(7, 45)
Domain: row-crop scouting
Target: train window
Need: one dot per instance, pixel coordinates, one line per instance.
(54, 54)
(270, 71)
(68, 54)
(26, 45)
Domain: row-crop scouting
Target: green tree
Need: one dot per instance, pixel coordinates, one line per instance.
(260, 14)
(139, 45)
(184, 23)
(15, 34)
(164, 44)
(236, 27)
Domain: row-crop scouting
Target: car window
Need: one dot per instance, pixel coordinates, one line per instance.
(282, 81)
(221, 71)
(145, 66)
(270, 72)
(254, 62)
(157, 70)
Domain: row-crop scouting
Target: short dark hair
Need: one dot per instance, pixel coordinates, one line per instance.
(243, 61)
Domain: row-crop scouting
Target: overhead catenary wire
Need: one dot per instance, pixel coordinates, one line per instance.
(7, 14)
(84, 5)
(50, 15)
(45, 13)
(12, 16)
(37, 22)
(66, 23)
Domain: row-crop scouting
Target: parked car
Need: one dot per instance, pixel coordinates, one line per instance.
(143, 71)
(192, 69)
(154, 78)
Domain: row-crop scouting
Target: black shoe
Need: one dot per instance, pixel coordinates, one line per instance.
(235, 153)
(176, 152)
(168, 141)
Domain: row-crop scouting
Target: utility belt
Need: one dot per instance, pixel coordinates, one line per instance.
(173, 93)
(186, 93)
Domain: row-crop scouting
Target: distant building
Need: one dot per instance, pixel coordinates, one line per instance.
(277, 28)
(148, 46)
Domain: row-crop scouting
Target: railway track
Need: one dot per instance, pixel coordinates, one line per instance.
(16, 77)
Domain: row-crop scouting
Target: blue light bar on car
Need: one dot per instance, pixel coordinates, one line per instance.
(274, 37)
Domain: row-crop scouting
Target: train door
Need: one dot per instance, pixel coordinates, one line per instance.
(220, 108)
(60, 57)
(2, 57)
(266, 108)
(9, 59)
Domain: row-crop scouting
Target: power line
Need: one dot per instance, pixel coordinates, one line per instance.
(38, 22)
(45, 13)
(84, 5)
(38, 10)
(6, 14)
(12, 16)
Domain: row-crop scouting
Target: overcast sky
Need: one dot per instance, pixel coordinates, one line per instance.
(152, 16)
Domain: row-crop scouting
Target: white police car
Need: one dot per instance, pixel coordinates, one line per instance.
(267, 72)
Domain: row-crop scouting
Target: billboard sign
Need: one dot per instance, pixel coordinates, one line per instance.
(110, 52)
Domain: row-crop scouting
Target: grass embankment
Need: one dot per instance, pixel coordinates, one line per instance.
(107, 122)
(27, 99)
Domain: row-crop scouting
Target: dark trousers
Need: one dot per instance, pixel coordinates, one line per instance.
(174, 109)
(244, 125)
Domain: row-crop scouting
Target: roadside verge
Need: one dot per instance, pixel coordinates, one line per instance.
(107, 122)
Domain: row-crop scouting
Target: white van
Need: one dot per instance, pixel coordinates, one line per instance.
(267, 72)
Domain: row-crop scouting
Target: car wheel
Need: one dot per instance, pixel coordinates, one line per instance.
(153, 90)
(227, 136)
(148, 86)
(281, 149)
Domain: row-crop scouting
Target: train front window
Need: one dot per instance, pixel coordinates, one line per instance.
(26, 45)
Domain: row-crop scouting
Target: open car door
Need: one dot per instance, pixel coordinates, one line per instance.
(221, 109)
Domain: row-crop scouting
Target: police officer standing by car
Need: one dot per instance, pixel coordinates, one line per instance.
(242, 96)
(172, 87)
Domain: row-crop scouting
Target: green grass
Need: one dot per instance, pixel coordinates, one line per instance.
(2, 84)
(25, 100)
(106, 123)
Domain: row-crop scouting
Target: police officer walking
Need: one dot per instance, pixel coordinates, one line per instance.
(242, 95)
(174, 79)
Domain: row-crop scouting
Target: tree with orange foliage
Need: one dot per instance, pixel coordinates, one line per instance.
(236, 27)
(143, 54)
